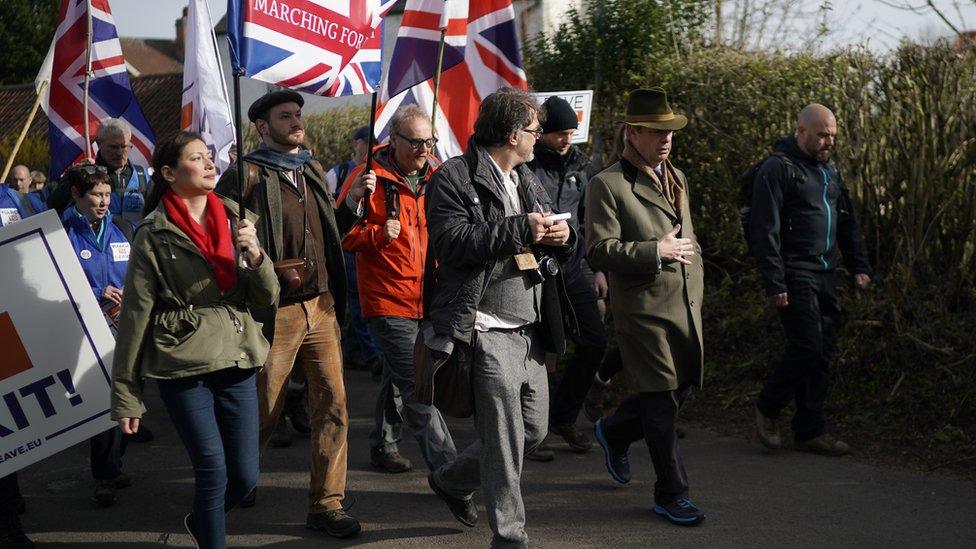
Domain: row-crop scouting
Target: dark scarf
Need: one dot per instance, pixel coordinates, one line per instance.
(278, 161)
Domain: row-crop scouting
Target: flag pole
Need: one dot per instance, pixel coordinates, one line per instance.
(369, 152)
(239, 137)
(437, 78)
(23, 132)
(88, 75)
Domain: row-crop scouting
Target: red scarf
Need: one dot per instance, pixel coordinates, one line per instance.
(215, 243)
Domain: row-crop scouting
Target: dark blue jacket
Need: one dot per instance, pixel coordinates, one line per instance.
(802, 217)
(103, 259)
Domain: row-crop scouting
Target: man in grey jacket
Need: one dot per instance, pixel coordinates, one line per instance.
(489, 233)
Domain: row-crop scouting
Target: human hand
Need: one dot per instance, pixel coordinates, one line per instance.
(247, 241)
(112, 294)
(539, 223)
(391, 229)
(129, 425)
(365, 182)
(556, 234)
(862, 281)
(600, 285)
(779, 300)
(671, 248)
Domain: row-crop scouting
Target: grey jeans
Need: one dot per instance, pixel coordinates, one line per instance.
(396, 404)
(511, 396)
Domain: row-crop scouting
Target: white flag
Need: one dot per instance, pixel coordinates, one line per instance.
(205, 106)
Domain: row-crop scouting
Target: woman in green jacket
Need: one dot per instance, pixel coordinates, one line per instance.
(186, 323)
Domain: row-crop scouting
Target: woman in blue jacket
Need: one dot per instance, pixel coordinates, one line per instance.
(102, 247)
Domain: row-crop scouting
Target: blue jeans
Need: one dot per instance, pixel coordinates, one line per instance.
(357, 342)
(216, 416)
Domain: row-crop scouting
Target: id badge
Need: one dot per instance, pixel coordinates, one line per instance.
(526, 261)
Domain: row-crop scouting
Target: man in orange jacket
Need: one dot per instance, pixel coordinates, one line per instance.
(391, 248)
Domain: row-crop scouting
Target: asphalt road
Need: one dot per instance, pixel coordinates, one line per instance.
(752, 499)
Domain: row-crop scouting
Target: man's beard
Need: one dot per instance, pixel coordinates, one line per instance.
(293, 139)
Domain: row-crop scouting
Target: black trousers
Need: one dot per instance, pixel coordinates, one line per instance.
(107, 449)
(810, 323)
(9, 496)
(568, 396)
(652, 416)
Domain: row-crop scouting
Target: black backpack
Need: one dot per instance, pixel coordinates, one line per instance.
(747, 182)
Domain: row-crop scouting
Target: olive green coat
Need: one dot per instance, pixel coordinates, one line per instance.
(175, 322)
(656, 313)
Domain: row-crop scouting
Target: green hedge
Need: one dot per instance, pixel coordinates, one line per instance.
(907, 149)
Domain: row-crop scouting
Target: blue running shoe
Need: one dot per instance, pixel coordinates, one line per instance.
(681, 512)
(618, 463)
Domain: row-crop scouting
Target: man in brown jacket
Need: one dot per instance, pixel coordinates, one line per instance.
(639, 230)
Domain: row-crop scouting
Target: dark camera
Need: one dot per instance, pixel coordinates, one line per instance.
(548, 268)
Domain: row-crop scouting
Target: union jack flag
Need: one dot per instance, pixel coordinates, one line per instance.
(321, 47)
(482, 53)
(110, 95)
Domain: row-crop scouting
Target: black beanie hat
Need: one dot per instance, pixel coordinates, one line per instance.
(559, 115)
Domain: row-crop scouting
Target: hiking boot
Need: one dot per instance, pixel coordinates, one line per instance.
(104, 495)
(12, 534)
(618, 463)
(296, 408)
(462, 509)
(392, 462)
(281, 437)
(143, 435)
(681, 512)
(768, 431)
(191, 529)
(335, 522)
(593, 403)
(250, 499)
(577, 441)
(824, 445)
(541, 453)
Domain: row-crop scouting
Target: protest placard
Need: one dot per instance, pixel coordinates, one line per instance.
(56, 347)
(582, 103)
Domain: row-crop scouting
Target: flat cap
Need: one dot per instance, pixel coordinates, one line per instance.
(264, 103)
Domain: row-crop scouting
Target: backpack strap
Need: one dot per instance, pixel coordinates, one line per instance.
(392, 200)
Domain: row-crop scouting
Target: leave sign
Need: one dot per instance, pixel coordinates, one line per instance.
(582, 103)
(56, 348)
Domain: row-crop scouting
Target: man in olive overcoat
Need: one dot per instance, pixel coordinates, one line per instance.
(639, 230)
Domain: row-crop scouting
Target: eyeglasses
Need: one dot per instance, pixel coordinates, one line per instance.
(417, 144)
(123, 147)
(536, 132)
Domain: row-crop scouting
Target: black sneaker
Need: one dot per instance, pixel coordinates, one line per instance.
(577, 441)
(12, 534)
(391, 462)
(681, 512)
(104, 495)
(618, 463)
(191, 529)
(122, 481)
(337, 523)
(462, 509)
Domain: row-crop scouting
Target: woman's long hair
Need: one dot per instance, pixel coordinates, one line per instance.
(167, 153)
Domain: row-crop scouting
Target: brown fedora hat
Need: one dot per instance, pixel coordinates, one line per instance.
(649, 107)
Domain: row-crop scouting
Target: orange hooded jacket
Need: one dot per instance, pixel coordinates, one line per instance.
(390, 272)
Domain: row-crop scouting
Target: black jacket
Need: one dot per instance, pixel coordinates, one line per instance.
(468, 233)
(802, 217)
(264, 199)
(564, 178)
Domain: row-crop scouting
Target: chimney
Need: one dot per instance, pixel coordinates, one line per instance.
(181, 34)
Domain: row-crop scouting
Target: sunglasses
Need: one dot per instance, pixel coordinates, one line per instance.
(417, 144)
(91, 169)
